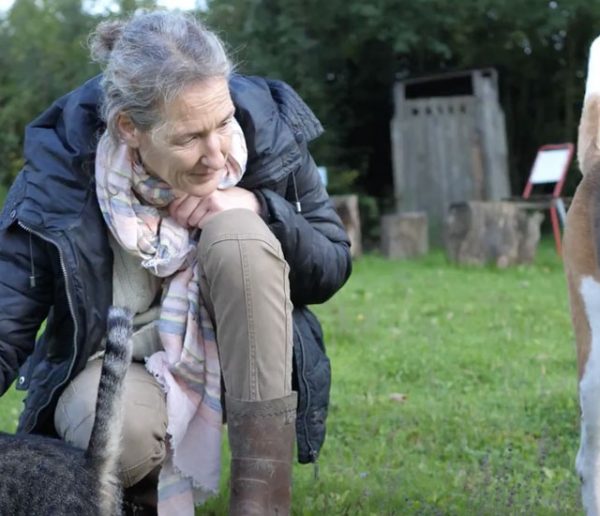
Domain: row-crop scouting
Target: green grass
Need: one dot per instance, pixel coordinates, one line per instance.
(486, 363)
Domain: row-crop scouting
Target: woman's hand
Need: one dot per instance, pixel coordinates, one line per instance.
(193, 212)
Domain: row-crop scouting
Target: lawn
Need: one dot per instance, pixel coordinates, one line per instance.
(454, 393)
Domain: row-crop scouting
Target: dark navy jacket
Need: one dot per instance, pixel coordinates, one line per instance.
(56, 263)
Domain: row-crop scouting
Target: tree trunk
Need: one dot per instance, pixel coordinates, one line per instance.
(346, 207)
(404, 235)
(498, 233)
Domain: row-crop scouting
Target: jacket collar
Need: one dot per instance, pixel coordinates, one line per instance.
(276, 125)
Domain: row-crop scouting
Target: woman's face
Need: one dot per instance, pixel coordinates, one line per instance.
(190, 149)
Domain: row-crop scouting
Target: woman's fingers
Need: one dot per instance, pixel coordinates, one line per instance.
(197, 216)
(182, 208)
(191, 211)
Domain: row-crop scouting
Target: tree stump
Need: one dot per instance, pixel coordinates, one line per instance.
(499, 233)
(404, 235)
(346, 207)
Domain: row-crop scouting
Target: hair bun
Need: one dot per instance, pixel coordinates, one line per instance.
(104, 38)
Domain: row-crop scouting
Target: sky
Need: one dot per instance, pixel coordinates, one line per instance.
(175, 4)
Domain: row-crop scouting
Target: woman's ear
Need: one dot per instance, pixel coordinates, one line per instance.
(128, 131)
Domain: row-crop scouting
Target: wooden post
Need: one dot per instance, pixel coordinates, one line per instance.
(499, 233)
(346, 207)
(404, 235)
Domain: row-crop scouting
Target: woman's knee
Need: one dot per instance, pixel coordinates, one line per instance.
(238, 241)
(231, 223)
(144, 424)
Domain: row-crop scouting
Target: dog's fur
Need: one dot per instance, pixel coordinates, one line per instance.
(40, 475)
(581, 253)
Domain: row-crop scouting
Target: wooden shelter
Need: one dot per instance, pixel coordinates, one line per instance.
(448, 143)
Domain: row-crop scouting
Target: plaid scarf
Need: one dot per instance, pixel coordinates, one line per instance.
(134, 208)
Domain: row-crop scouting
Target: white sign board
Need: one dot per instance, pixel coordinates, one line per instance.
(549, 166)
(323, 174)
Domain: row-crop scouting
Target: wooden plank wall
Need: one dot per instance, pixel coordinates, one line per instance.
(438, 157)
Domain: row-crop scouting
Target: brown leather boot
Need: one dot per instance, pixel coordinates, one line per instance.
(261, 439)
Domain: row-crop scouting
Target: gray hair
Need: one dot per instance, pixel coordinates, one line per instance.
(148, 60)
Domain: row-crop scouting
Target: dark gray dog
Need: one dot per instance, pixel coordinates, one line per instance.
(44, 476)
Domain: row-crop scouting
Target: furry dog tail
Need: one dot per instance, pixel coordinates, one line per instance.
(588, 145)
(103, 450)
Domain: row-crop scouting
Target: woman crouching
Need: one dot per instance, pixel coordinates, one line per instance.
(213, 228)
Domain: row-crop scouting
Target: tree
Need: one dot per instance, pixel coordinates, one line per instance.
(44, 55)
(344, 56)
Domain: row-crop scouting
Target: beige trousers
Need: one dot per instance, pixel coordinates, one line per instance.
(245, 287)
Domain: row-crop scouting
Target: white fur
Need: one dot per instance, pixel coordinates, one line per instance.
(593, 77)
(588, 457)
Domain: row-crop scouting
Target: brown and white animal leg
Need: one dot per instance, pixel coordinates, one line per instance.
(588, 456)
(581, 253)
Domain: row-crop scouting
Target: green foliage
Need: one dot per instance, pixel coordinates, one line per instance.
(370, 216)
(454, 393)
(341, 181)
(44, 55)
(344, 56)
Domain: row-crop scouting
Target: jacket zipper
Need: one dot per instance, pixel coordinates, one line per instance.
(71, 309)
(311, 451)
